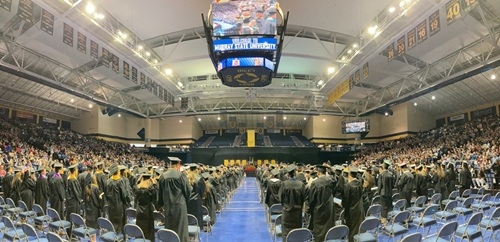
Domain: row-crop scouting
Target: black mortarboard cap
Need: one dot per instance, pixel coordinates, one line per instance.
(275, 172)
(146, 176)
(113, 169)
(205, 175)
(321, 168)
(291, 168)
(72, 167)
(58, 165)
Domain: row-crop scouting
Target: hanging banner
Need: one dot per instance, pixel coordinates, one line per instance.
(25, 11)
(401, 45)
(412, 38)
(49, 120)
(115, 65)
(251, 138)
(94, 50)
(68, 34)
(81, 43)
(434, 23)
(6, 4)
(366, 70)
(422, 32)
(457, 117)
(47, 22)
(134, 74)
(453, 11)
(106, 56)
(390, 52)
(143, 80)
(357, 76)
(126, 70)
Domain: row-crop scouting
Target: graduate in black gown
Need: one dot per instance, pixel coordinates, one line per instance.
(421, 181)
(405, 184)
(319, 204)
(93, 201)
(57, 190)
(198, 189)
(42, 191)
(450, 178)
(73, 192)
(292, 194)
(28, 188)
(15, 188)
(209, 197)
(273, 189)
(102, 179)
(145, 196)
(465, 178)
(173, 194)
(7, 183)
(385, 185)
(352, 201)
(116, 196)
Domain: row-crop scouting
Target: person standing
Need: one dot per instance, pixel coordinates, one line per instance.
(385, 186)
(145, 195)
(57, 191)
(450, 178)
(93, 202)
(319, 204)
(28, 188)
(73, 192)
(421, 181)
(196, 198)
(15, 192)
(292, 194)
(7, 183)
(116, 196)
(405, 184)
(42, 191)
(465, 178)
(273, 188)
(173, 194)
(352, 201)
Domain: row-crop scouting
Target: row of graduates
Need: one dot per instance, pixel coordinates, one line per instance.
(67, 191)
(312, 191)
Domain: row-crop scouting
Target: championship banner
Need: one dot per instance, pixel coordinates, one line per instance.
(47, 22)
(457, 117)
(232, 122)
(339, 91)
(251, 138)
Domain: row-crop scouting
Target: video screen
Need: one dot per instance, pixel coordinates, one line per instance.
(245, 62)
(355, 127)
(244, 17)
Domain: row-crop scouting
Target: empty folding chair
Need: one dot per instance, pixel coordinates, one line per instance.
(12, 233)
(492, 223)
(56, 223)
(426, 220)
(465, 195)
(435, 199)
(376, 200)
(395, 198)
(338, 233)
(365, 226)
(395, 227)
(278, 229)
(133, 231)
(159, 219)
(108, 232)
(447, 213)
(32, 234)
(131, 215)
(399, 206)
(446, 233)
(465, 210)
(495, 202)
(53, 237)
(193, 227)
(418, 206)
(482, 206)
(299, 235)
(453, 197)
(167, 235)
(274, 211)
(470, 231)
(13, 210)
(79, 229)
(40, 219)
(479, 194)
(415, 237)
(26, 214)
(374, 211)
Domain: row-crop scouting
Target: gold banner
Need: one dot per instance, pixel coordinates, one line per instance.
(251, 138)
(339, 91)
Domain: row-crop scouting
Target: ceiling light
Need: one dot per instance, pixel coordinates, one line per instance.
(305, 118)
(199, 119)
(402, 4)
(98, 16)
(343, 58)
(408, 1)
(433, 97)
(168, 72)
(265, 117)
(324, 120)
(72, 100)
(155, 61)
(392, 9)
(349, 51)
(218, 118)
(140, 47)
(148, 54)
(119, 115)
(355, 46)
(90, 105)
(331, 70)
(493, 77)
(180, 121)
(90, 8)
(386, 114)
(415, 104)
(180, 84)
(320, 82)
(373, 29)
(284, 118)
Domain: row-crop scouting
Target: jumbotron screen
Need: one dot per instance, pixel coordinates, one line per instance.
(245, 62)
(244, 17)
(355, 126)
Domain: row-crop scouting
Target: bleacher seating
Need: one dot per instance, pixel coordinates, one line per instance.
(261, 140)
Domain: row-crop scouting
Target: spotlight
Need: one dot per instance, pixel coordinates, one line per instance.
(343, 58)
(386, 114)
(99, 16)
(355, 46)
(218, 118)
(373, 30)
(415, 104)
(493, 77)
(148, 54)
(168, 72)
(90, 105)
(349, 51)
(401, 4)
(433, 97)
(305, 118)
(180, 121)
(90, 8)
(265, 117)
(119, 115)
(331, 70)
(199, 119)
(284, 118)
(140, 47)
(72, 100)
(324, 120)
(180, 84)
(392, 9)
(320, 82)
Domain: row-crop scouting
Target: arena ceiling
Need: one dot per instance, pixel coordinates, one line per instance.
(326, 42)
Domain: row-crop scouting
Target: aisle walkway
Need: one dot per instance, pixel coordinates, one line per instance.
(244, 218)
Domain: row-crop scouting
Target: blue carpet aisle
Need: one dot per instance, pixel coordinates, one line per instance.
(244, 218)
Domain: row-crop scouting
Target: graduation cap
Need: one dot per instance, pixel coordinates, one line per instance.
(122, 167)
(40, 170)
(291, 168)
(73, 167)
(146, 176)
(314, 173)
(16, 170)
(58, 165)
(99, 164)
(321, 168)
(193, 166)
(173, 159)
(353, 169)
(88, 179)
(113, 169)
(338, 168)
(388, 162)
(275, 172)
(403, 165)
(420, 167)
(205, 175)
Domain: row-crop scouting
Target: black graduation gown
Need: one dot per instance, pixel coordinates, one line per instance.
(319, 205)
(73, 197)
(405, 185)
(42, 192)
(450, 179)
(144, 198)
(57, 195)
(385, 186)
(15, 192)
(196, 200)
(27, 191)
(101, 181)
(173, 193)
(116, 196)
(93, 207)
(7, 185)
(292, 194)
(465, 180)
(352, 201)
(273, 189)
(421, 185)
